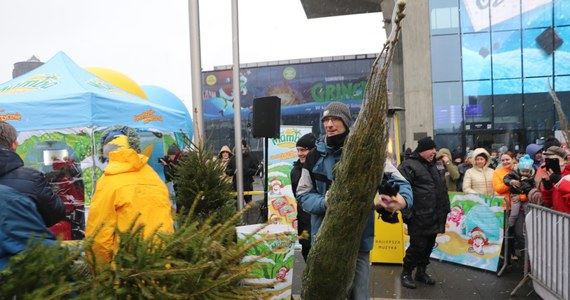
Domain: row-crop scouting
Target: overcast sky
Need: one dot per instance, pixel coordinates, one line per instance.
(148, 40)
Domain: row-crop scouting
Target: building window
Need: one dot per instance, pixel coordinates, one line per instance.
(505, 15)
(476, 53)
(478, 104)
(562, 54)
(506, 48)
(474, 16)
(536, 62)
(538, 108)
(562, 12)
(444, 16)
(445, 58)
(507, 103)
(447, 107)
(536, 13)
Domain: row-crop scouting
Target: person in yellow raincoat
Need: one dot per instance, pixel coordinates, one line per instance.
(128, 187)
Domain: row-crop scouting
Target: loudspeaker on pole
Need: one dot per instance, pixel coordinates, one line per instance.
(266, 117)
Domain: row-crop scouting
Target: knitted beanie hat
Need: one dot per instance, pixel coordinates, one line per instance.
(424, 144)
(307, 141)
(525, 163)
(339, 110)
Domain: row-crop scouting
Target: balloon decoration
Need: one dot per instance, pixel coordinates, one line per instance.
(119, 80)
(166, 98)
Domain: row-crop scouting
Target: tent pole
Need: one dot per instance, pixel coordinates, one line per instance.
(196, 72)
(237, 105)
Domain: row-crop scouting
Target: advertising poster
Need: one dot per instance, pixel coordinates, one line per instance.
(277, 267)
(303, 88)
(388, 241)
(474, 231)
(282, 153)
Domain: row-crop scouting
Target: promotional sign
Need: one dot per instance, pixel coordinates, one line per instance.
(388, 242)
(303, 88)
(282, 205)
(474, 231)
(277, 267)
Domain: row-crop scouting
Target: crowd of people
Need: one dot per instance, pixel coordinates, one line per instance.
(131, 190)
(538, 175)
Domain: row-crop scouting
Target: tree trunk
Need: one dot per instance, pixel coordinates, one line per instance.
(332, 259)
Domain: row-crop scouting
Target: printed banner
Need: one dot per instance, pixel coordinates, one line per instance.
(282, 153)
(388, 242)
(277, 267)
(474, 231)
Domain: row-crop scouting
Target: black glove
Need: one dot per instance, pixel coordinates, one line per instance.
(386, 188)
(547, 184)
(554, 178)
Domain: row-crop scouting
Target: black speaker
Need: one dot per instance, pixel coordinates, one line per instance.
(266, 117)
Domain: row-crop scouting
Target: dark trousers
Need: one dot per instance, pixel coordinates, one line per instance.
(419, 251)
(305, 247)
(247, 187)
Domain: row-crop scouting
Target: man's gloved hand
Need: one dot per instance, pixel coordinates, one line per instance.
(385, 188)
(388, 189)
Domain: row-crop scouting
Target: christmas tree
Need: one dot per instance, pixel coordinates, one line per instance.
(200, 173)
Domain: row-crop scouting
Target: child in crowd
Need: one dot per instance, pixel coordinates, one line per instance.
(521, 181)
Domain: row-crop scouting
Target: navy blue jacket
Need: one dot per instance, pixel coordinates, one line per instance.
(31, 183)
(19, 222)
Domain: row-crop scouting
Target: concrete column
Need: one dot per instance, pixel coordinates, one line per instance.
(416, 65)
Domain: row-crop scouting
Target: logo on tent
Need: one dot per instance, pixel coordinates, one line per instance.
(148, 116)
(36, 82)
(10, 117)
(101, 84)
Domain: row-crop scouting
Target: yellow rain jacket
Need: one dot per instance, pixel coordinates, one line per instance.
(129, 186)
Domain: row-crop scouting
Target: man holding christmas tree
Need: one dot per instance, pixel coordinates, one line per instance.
(317, 177)
(129, 189)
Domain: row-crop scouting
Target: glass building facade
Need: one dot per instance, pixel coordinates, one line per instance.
(492, 64)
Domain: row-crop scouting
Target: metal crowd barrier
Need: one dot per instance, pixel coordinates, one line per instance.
(547, 255)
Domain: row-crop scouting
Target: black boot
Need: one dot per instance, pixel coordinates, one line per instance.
(422, 276)
(407, 280)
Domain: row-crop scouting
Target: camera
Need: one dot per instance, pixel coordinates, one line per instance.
(160, 159)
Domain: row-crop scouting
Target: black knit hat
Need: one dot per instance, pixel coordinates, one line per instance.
(307, 141)
(425, 144)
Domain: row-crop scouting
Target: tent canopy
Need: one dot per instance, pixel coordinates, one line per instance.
(61, 94)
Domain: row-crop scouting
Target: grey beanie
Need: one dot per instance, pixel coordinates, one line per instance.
(339, 110)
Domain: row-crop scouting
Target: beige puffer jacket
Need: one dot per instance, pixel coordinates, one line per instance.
(479, 180)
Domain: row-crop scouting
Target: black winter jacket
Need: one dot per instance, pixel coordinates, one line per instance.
(33, 184)
(250, 167)
(431, 201)
(303, 217)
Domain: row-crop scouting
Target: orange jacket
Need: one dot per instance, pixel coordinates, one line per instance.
(500, 187)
